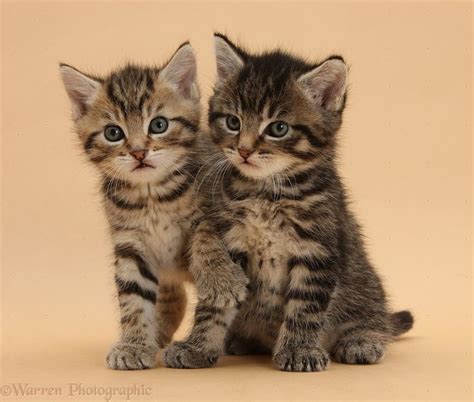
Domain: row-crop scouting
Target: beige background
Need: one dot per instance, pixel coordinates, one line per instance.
(405, 154)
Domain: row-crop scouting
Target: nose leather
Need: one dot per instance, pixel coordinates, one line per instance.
(139, 155)
(245, 153)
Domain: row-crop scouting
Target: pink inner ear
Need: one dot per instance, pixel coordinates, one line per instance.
(181, 71)
(326, 84)
(186, 82)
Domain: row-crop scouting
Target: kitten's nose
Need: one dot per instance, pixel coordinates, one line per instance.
(244, 152)
(139, 154)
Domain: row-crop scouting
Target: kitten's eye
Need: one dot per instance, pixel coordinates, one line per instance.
(233, 123)
(278, 129)
(113, 133)
(158, 125)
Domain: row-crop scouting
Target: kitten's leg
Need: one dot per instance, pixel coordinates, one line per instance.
(205, 343)
(311, 284)
(245, 336)
(221, 287)
(171, 306)
(137, 290)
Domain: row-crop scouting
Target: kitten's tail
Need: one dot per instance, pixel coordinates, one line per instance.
(402, 321)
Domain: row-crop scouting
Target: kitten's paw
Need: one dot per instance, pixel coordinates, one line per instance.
(227, 289)
(183, 355)
(128, 356)
(357, 350)
(301, 359)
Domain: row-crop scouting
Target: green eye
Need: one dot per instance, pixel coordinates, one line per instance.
(158, 125)
(278, 129)
(233, 123)
(113, 133)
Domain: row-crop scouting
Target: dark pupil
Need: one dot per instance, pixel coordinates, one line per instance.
(113, 133)
(279, 129)
(158, 125)
(233, 122)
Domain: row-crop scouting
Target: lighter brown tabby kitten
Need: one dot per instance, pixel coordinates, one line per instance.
(278, 221)
(138, 126)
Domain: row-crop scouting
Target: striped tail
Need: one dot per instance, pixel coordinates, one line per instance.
(402, 321)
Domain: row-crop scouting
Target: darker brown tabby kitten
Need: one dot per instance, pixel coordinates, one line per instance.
(283, 225)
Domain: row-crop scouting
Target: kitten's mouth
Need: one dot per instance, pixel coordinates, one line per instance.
(248, 163)
(142, 166)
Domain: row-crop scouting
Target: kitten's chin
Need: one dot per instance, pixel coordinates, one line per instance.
(251, 170)
(142, 175)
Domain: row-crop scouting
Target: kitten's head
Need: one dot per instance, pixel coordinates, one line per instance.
(137, 123)
(273, 113)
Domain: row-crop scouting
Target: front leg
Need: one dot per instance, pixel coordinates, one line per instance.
(137, 288)
(218, 273)
(221, 287)
(298, 347)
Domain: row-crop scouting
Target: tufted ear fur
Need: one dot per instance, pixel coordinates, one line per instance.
(181, 72)
(80, 88)
(228, 57)
(326, 84)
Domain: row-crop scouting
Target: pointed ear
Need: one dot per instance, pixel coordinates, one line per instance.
(81, 89)
(326, 84)
(181, 72)
(228, 57)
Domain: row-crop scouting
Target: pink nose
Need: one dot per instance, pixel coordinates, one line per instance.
(245, 153)
(139, 155)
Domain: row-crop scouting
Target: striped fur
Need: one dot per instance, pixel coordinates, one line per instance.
(283, 226)
(150, 204)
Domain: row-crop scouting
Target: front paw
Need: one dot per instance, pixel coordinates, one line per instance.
(225, 288)
(183, 355)
(301, 358)
(129, 356)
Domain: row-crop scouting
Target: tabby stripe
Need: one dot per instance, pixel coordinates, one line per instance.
(322, 282)
(186, 123)
(98, 158)
(213, 116)
(222, 225)
(200, 318)
(221, 323)
(312, 308)
(119, 102)
(122, 204)
(128, 251)
(208, 309)
(111, 185)
(321, 297)
(234, 195)
(89, 144)
(178, 192)
(312, 263)
(298, 325)
(190, 169)
(132, 287)
(314, 140)
(239, 257)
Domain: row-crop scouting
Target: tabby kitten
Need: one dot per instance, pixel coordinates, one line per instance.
(138, 125)
(283, 226)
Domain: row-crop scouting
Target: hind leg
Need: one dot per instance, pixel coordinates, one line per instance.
(360, 346)
(171, 307)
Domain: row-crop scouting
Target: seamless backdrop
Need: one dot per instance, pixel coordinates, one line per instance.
(405, 154)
